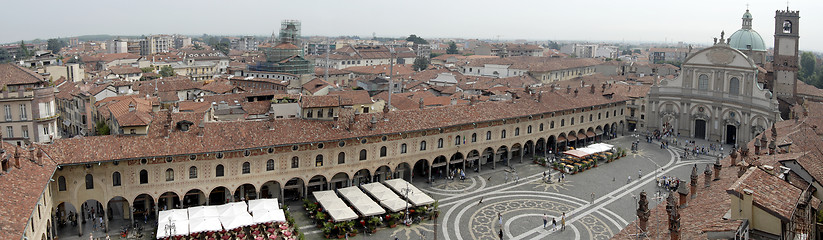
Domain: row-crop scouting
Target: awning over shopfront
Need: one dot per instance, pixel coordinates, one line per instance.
(337, 209)
(385, 196)
(362, 203)
(416, 197)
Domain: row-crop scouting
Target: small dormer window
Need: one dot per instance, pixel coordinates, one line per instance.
(184, 125)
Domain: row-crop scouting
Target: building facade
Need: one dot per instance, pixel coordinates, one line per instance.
(30, 113)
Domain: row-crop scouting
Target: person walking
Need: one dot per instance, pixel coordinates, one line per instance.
(629, 180)
(500, 233)
(563, 222)
(554, 224)
(592, 202)
(545, 220)
(500, 220)
(639, 173)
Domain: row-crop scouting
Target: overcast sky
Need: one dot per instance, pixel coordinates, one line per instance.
(692, 21)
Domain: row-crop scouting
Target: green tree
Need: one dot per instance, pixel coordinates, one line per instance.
(416, 40)
(452, 48)
(166, 71)
(24, 51)
(626, 52)
(197, 47)
(420, 64)
(807, 67)
(5, 56)
(146, 69)
(55, 45)
(102, 128)
(75, 59)
(637, 51)
(554, 45)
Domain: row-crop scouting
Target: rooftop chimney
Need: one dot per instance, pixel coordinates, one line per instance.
(693, 183)
(643, 211)
(420, 103)
(575, 92)
(707, 174)
(717, 168)
(673, 211)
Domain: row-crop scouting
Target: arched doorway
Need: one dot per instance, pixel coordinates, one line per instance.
(245, 192)
(473, 160)
(581, 139)
(528, 148)
(439, 167)
(383, 173)
(551, 145)
(731, 134)
(293, 190)
(421, 168)
(168, 200)
(403, 171)
(607, 131)
(700, 128)
(540, 146)
(457, 161)
(194, 198)
(503, 155)
(316, 183)
(339, 180)
(270, 189)
(571, 137)
(219, 195)
(144, 208)
(598, 134)
(66, 216)
(361, 177)
(487, 157)
(517, 151)
(118, 209)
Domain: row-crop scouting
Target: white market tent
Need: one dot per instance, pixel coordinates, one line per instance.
(181, 228)
(268, 215)
(172, 215)
(365, 205)
(208, 224)
(263, 204)
(235, 221)
(387, 198)
(589, 150)
(203, 212)
(416, 197)
(230, 209)
(337, 209)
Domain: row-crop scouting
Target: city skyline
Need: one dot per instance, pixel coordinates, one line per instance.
(629, 23)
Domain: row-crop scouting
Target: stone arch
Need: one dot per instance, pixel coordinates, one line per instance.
(168, 200)
(421, 168)
(219, 195)
(502, 154)
(194, 197)
(294, 189)
(64, 212)
(318, 182)
(144, 207)
(382, 173)
(271, 189)
(551, 144)
(339, 180)
(403, 171)
(245, 191)
(118, 208)
(528, 148)
(457, 160)
(362, 176)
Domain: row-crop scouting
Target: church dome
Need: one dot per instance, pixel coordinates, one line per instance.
(747, 38)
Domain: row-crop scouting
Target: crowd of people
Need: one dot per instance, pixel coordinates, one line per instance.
(668, 183)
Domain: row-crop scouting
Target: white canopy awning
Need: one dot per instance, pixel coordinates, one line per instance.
(416, 197)
(268, 215)
(235, 221)
(203, 212)
(209, 224)
(385, 196)
(175, 228)
(265, 204)
(172, 215)
(365, 205)
(231, 209)
(337, 209)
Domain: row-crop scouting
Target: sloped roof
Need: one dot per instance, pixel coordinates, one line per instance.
(315, 85)
(353, 97)
(21, 188)
(319, 101)
(11, 74)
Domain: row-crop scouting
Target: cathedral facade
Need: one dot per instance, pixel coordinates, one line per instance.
(717, 96)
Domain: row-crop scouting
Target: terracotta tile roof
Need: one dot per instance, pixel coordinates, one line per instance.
(119, 108)
(286, 45)
(769, 193)
(809, 90)
(632, 91)
(256, 108)
(319, 101)
(22, 188)
(399, 69)
(537, 64)
(219, 86)
(123, 70)
(320, 72)
(703, 213)
(315, 85)
(353, 97)
(224, 136)
(192, 106)
(166, 85)
(11, 74)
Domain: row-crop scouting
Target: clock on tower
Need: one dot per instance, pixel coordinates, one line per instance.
(786, 25)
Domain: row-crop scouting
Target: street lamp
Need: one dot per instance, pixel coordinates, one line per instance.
(406, 191)
(170, 228)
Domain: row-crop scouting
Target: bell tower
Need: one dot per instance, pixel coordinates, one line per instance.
(786, 26)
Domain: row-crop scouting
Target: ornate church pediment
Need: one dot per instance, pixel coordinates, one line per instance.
(721, 56)
(700, 116)
(731, 121)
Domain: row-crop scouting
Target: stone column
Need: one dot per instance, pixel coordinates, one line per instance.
(693, 182)
(106, 221)
(674, 217)
(522, 153)
(643, 211)
(707, 174)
